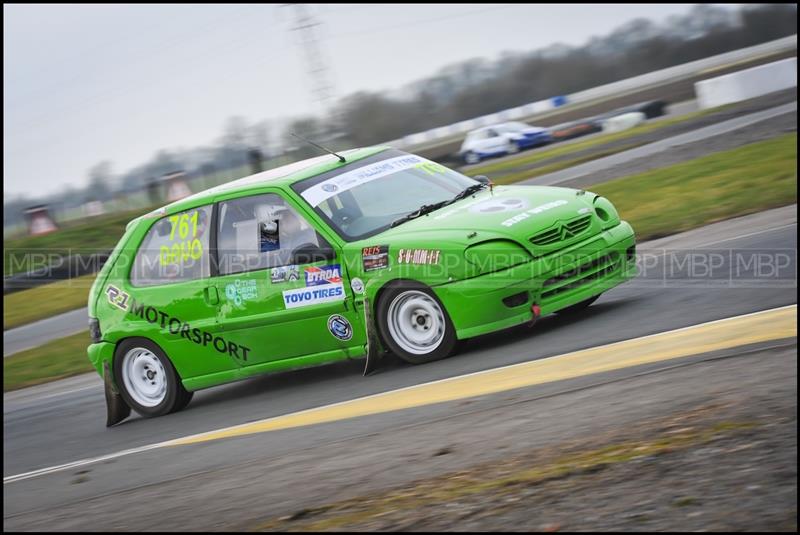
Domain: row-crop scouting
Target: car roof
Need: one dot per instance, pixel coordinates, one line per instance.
(279, 176)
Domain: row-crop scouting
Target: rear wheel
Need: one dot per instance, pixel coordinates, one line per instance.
(577, 307)
(414, 325)
(147, 379)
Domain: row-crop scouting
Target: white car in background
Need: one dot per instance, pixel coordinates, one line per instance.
(500, 139)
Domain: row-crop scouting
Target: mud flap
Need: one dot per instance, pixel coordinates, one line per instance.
(116, 408)
(374, 352)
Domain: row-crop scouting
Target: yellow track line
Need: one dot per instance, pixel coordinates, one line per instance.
(712, 336)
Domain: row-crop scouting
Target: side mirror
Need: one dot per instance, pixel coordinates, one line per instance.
(482, 179)
(309, 253)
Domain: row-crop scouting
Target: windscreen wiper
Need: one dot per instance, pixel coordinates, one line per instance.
(469, 190)
(428, 208)
(422, 210)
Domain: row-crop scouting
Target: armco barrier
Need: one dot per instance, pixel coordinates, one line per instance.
(748, 83)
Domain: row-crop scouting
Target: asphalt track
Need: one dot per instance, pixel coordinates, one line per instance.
(65, 423)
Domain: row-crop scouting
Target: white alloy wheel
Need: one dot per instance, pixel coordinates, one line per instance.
(416, 322)
(471, 158)
(513, 148)
(144, 377)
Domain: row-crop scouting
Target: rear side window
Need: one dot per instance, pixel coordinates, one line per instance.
(175, 249)
(261, 232)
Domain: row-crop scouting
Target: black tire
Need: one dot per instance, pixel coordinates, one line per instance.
(577, 307)
(183, 400)
(448, 340)
(176, 396)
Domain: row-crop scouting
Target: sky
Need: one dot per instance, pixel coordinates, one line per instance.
(86, 83)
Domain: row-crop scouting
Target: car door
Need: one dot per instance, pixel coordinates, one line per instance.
(483, 143)
(169, 295)
(278, 305)
(495, 142)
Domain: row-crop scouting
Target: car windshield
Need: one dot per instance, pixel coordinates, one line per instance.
(363, 200)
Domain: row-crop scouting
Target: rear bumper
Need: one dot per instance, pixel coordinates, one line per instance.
(476, 306)
(99, 353)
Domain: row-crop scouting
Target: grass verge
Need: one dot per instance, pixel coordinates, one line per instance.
(44, 301)
(712, 188)
(54, 360)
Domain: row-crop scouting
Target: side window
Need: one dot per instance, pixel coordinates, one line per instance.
(260, 232)
(175, 249)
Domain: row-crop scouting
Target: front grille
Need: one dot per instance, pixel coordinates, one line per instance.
(579, 224)
(581, 275)
(562, 231)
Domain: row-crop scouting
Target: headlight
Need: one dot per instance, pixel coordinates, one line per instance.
(496, 255)
(606, 212)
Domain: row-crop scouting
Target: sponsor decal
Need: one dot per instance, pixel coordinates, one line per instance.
(431, 168)
(375, 257)
(583, 211)
(333, 186)
(537, 210)
(240, 291)
(321, 275)
(117, 297)
(284, 273)
(340, 327)
(357, 285)
(302, 297)
(418, 256)
(492, 206)
(178, 328)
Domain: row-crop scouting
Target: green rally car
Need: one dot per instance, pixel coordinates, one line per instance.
(338, 257)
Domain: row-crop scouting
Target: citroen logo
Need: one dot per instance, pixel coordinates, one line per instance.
(566, 233)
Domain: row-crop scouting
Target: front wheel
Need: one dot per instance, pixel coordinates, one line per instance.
(471, 158)
(414, 324)
(147, 379)
(512, 148)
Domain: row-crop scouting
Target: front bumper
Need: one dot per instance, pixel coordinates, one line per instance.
(476, 306)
